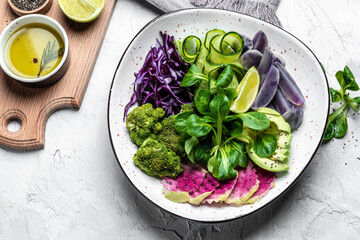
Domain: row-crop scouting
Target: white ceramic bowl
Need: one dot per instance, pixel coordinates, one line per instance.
(300, 62)
(53, 76)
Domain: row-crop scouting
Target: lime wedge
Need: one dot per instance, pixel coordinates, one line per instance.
(246, 91)
(82, 10)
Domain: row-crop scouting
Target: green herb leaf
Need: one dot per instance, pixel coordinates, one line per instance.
(190, 148)
(225, 77)
(231, 118)
(219, 107)
(197, 127)
(214, 163)
(230, 93)
(335, 95)
(180, 121)
(330, 127)
(208, 119)
(49, 55)
(202, 151)
(225, 131)
(212, 86)
(192, 77)
(346, 80)
(202, 100)
(340, 78)
(255, 120)
(240, 147)
(330, 132)
(340, 124)
(236, 129)
(204, 84)
(228, 158)
(265, 144)
(182, 139)
(356, 101)
(349, 80)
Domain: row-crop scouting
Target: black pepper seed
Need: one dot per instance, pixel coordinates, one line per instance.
(28, 5)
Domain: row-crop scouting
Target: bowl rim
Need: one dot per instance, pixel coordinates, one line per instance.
(281, 193)
(24, 12)
(47, 21)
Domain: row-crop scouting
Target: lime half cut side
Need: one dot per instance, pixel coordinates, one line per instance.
(246, 91)
(82, 11)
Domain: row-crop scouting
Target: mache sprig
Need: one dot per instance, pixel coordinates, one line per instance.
(337, 122)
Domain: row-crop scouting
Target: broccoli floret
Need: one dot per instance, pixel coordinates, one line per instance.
(156, 160)
(169, 136)
(188, 107)
(144, 122)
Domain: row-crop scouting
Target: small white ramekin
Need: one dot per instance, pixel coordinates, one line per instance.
(53, 76)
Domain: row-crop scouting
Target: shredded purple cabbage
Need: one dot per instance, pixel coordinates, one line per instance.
(158, 81)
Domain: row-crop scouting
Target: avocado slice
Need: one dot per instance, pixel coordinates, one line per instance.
(268, 111)
(281, 128)
(284, 140)
(280, 155)
(282, 151)
(266, 163)
(278, 126)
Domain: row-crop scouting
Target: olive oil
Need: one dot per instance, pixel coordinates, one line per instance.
(34, 50)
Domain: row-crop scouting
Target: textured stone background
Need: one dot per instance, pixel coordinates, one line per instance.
(74, 188)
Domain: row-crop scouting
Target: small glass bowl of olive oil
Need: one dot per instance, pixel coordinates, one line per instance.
(34, 50)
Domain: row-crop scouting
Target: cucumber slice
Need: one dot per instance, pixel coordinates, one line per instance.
(201, 58)
(179, 49)
(190, 48)
(210, 34)
(235, 40)
(226, 50)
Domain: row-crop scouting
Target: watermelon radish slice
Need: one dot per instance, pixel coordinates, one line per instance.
(208, 185)
(266, 182)
(222, 192)
(186, 185)
(245, 187)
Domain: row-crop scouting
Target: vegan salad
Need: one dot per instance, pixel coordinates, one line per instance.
(214, 117)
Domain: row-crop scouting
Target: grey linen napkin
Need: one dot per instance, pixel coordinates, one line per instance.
(262, 9)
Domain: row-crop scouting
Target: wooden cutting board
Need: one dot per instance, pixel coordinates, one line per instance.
(33, 106)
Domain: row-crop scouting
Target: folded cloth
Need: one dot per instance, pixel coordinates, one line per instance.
(262, 9)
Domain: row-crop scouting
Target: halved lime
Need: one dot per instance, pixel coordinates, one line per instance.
(82, 10)
(246, 91)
